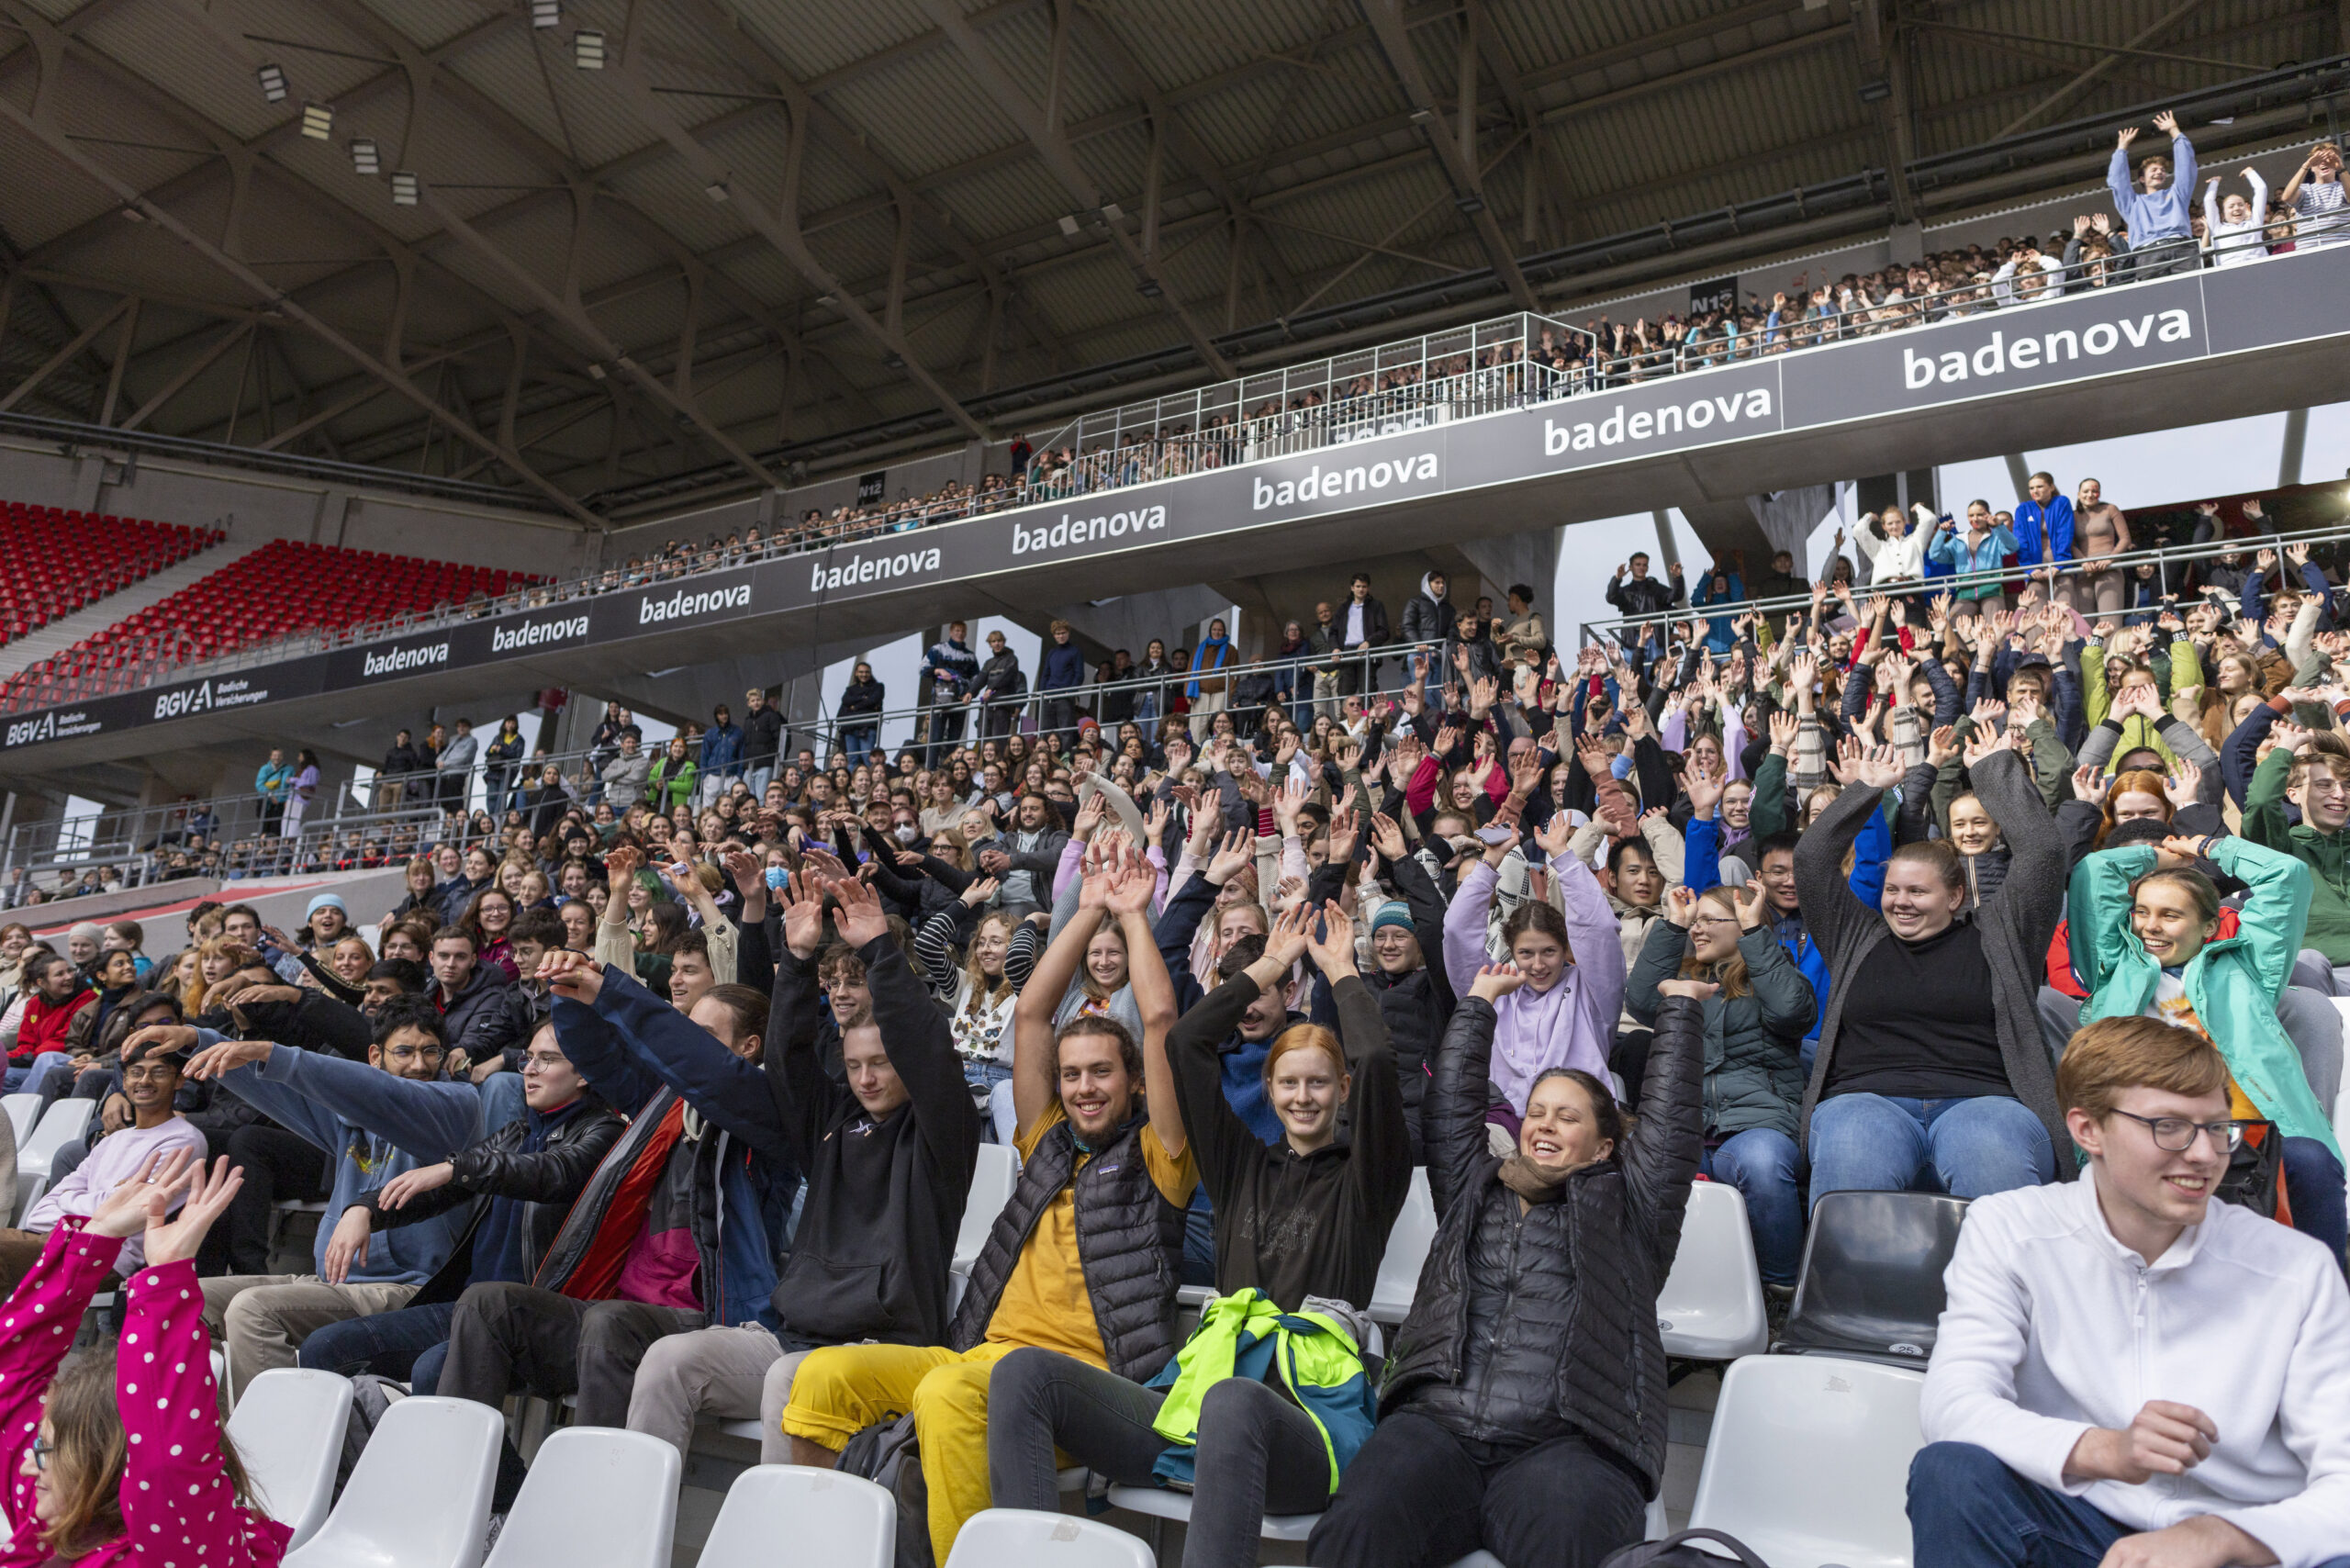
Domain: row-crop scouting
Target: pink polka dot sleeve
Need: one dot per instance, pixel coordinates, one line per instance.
(37, 1327)
(176, 1500)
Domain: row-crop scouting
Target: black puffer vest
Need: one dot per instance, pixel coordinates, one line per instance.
(1129, 1239)
(1534, 1321)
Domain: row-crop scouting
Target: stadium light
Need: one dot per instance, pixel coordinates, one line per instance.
(272, 82)
(405, 189)
(318, 122)
(364, 160)
(547, 13)
(587, 49)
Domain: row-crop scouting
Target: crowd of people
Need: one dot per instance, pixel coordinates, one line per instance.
(665, 1092)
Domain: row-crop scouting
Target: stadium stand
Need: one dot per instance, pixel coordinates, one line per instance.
(53, 562)
(282, 590)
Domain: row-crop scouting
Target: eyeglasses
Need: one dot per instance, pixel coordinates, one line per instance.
(2176, 1135)
(409, 1053)
(42, 1449)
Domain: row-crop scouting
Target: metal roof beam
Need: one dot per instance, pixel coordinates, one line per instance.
(997, 85)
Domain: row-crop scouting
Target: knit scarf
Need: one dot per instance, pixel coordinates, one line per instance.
(1530, 1182)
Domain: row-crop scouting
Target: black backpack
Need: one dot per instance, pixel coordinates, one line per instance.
(885, 1453)
(1676, 1552)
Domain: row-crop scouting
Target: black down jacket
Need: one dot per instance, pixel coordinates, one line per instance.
(1532, 1321)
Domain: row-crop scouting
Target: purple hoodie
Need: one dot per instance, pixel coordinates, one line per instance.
(1574, 1023)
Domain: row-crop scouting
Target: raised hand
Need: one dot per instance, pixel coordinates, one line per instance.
(1494, 981)
(122, 1213)
(1387, 836)
(1783, 730)
(1553, 835)
(1877, 767)
(1238, 851)
(1695, 990)
(2090, 784)
(1292, 930)
(1345, 831)
(1679, 906)
(1132, 883)
(1704, 791)
(975, 892)
(1333, 946)
(1981, 744)
(861, 919)
(572, 976)
(1751, 904)
(171, 1240)
(803, 915)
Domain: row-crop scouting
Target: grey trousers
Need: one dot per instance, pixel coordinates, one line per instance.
(1257, 1454)
(732, 1374)
(2311, 1022)
(262, 1319)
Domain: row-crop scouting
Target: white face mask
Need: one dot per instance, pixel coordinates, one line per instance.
(907, 832)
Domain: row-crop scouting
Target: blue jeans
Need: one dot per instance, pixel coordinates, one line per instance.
(1968, 1510)
(1761, 1162)
(502, 1100)
(388, 1344)
(857, 742)
(1199, 1240)
(1970, 1148)
(983, 1077)
(2313, 1187)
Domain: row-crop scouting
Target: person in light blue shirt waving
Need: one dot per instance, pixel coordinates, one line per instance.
(2162, 237)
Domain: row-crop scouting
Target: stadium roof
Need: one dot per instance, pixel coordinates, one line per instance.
(600, 251)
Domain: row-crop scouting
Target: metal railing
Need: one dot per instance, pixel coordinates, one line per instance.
(2164, 558)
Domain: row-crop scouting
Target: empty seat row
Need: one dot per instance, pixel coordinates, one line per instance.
(53, 562)
(285, 589)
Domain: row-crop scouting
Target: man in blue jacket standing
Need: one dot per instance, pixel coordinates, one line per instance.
(2043, 526)
(2162, 238)
(1061, 673)
(722, 753)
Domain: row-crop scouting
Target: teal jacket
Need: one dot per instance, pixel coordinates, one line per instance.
(2233, 984)
(1247, 1335)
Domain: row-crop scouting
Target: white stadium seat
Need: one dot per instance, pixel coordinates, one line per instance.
(1407, 1249)
(1711, 1306)
(1808, 1463)
(288, 1431)
(1014, 1537)
(443, 1451)
(782, 1516)
(597, 1494)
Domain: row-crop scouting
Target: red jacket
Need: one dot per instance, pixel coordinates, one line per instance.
(47, 1023)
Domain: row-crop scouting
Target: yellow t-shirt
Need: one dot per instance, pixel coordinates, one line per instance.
(1044, 1303)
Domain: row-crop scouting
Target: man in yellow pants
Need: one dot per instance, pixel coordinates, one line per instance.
(1084, 1258)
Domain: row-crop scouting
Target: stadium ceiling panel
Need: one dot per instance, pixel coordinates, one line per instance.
(581, 247)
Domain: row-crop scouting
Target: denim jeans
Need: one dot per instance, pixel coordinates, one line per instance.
(1970, 1148)
(1761, 1163)
(856, 741)
(1968, 1510)
(48, 1075)
(387, 1343)
(986, 1078)
(2314, 1191)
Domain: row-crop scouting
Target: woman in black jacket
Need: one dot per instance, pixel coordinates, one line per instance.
(857, 714)
(1305, 1222)
(1524, 1408)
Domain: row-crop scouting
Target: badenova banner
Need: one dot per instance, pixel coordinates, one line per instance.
(2089, 334)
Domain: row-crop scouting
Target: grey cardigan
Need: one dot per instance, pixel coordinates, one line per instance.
(2017, 922)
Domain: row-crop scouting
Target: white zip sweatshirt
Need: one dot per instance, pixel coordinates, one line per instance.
(2053, 1327)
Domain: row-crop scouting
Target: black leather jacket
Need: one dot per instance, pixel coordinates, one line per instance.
(1533, 1321)
(545, 1180)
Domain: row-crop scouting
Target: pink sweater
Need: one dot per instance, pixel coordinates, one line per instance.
(176, 1500)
